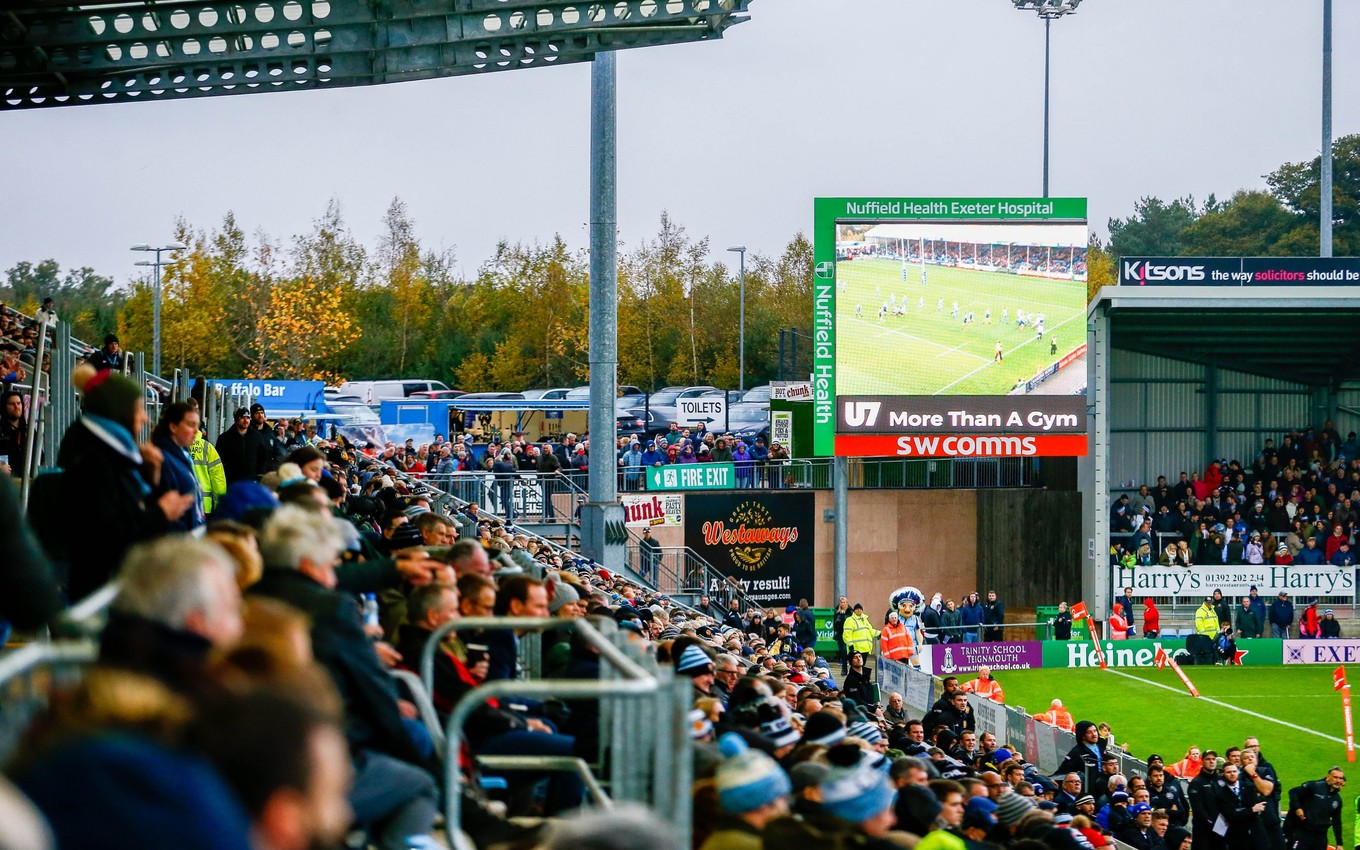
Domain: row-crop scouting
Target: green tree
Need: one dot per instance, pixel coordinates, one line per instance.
(1156, 229)
(1298, 186)
(1249, 224)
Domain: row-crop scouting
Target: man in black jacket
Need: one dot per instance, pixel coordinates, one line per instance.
(993, 618)
(1086, 756)
(1314, 807)
(271, 444)
(393, 791)
(1204, 804)
(241, 450)
(1167, 795)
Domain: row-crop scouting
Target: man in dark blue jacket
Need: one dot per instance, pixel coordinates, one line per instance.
(1281, 616)
(993, 616)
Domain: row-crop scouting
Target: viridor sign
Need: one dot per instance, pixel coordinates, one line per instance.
(692, 476)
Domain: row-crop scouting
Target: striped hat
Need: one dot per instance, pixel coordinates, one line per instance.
(669, 633)
(865, 731)
(1011, 807)
(823, 728)
(855, 794)
(694, 662)
(748, 779)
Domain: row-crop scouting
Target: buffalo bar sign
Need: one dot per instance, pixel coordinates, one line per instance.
(763, 541)
(692, 476)
(1236, 580)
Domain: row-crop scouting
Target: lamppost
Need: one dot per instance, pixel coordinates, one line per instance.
(1325, 217)
(740, 250)
(1048, 10)
(156, 298)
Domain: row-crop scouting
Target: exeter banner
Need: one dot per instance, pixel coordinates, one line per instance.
(763, 540)
(951, 659)
(1251, 652)
(1322, 651)
(1235, 580)
(654, 509)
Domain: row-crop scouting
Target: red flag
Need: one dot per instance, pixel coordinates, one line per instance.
(1079, 611)
(1338, 678)
(1161, 658)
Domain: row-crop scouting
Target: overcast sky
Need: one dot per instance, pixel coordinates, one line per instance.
(733, 137)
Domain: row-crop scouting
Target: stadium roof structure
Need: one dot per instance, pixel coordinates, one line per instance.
(1038, 235)
(1304, 334)
(56, 53)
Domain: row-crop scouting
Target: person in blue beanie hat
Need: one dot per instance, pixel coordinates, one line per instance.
(752, 791)
(855, 807)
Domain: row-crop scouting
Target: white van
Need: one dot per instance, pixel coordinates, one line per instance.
(376, 392)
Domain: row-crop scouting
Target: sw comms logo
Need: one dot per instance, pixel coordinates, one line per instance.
(1145, 272)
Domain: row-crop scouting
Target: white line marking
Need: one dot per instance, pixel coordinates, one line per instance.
(1228, 706)
(1034, 338)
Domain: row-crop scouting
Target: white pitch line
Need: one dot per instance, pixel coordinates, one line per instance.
(1228, 706)
(1004, 352)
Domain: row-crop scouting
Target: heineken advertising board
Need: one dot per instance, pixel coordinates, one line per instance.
(940, 326)
(1252, 652)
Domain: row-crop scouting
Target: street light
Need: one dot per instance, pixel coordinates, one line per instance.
(156, 297)
(1048, 10)
(1325, 216)
(741, 322)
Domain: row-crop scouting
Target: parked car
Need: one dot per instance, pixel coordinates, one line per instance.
(746, 422)
(757, 395)
(547, 395)
(628, 393)
(438, 395)
(376, 392)
(633, 423)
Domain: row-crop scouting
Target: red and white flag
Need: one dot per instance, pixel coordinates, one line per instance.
(1079, 611)
(1161, 658)
(1338, 678)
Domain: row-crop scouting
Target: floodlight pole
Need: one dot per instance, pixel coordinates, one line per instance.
(1325, 208)
(156, 299)
(740, 250)
(1048, 29)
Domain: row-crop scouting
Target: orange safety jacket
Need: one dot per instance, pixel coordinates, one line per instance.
(895, 642)
(985, 688)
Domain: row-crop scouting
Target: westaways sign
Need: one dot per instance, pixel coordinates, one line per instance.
(954, 658)
(653, 510)
(1236, 580)
(765, 541)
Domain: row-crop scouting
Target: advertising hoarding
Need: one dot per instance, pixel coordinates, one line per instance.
(952, 659)
(1235, 580)
(1239, 271)
(653, 510)
(763, 540)
(954, 317)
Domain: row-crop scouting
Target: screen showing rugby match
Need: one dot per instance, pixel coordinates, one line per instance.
(959, 309)
(950, 327)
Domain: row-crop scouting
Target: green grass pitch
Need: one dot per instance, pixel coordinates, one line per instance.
(929, 350)
(1301, 730)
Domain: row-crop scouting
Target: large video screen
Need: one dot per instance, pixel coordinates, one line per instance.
(950, 327)
(959, 309)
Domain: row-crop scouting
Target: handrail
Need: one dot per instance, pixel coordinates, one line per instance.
(93, 605)
(20, 661)
(635, 682)
(566, 764)
(420, 696)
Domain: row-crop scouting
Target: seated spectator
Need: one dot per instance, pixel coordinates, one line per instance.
(177, 601)
(392, 793)
(1330, 627)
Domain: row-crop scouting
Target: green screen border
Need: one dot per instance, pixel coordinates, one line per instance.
(828, 212)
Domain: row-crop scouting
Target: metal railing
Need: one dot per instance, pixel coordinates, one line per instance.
(648, 762)
(519, 497)
(869, 473)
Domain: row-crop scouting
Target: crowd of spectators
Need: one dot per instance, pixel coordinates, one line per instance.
(1007, 258)
(1297, 502)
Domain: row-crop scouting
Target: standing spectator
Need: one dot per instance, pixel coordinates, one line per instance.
(651, 556)
(1206, 618)
(110, 477)
(1119, 626)
(1062, 623)
(272, 446)
(1152, 626)
(13, 431)
(212, 478)
(632, 465)
(172, 437)
(1125, 605)
(804, 629)
(930, 621)
(1281, 616)
(994, 617)
(838, 619)
(504, 470)
(859, 634)
(1247, 626)
(240, 449)
(110, 356)
(896, 641)
(858, 682)
(745, 466)
(970, 617)
(951, 623)
(47, 313)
